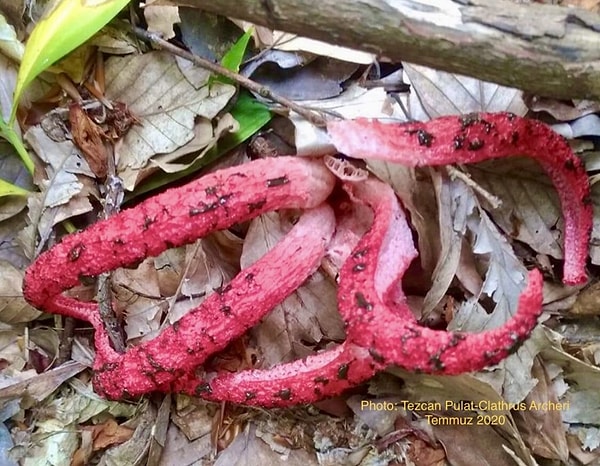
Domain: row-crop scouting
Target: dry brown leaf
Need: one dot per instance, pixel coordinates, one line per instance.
(306, 317)
(90, 138)
(437, 93)
(13, 308)
(166, 101)
(109, 433)
(248, 450)
(543, 430)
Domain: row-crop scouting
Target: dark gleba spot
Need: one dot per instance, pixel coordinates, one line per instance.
(424, 138)
(76, 251)
(476, 144)
(203, 208)
(224, 198)
(570, 165)
(203, 388)
(221, 290)
(284, 394)
(362, 302)
(469, 120)
(342, 372)
(321, 380)
(458, 142)
(249, 395)
(359, 254)
(147, 222)
(273, 182)
(226, 310)
(436, 363)
(252, 206)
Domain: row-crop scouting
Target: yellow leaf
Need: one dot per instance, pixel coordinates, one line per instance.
(66, 25)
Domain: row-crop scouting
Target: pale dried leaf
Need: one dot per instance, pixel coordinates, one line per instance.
(193, 417)
(39, 386)
(137, 294)
(64, 191)
(452, 393)
(306, 316)
(132, 451)
(165, 102)
(285, 41)
(204, 140)
(587, 302)
(114, 41)
(595, 240)
(10, 46)
(437, 93)
(543, 429)
(161, 20)
(10, 349)
(10, 250)
(207, 265)
(561, 110)
(530, 210)
(248, 450)
(13, 308)
(454, 208)
(8, 71)
(179, 450)
(53, 443)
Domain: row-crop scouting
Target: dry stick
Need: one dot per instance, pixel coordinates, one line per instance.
(113, 197)
(253, 86)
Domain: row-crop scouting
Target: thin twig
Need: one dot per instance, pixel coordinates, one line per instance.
(253, 86)
(454, 172)
(113, 197)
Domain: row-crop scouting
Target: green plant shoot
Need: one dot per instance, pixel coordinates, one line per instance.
(65, 26)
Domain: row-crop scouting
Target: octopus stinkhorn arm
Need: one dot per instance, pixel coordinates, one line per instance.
(372, 303)
(177, 217)
(381, 329)
(478, 137)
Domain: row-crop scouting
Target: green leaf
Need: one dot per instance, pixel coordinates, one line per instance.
(251, 116)
(66, 25)
(9, 189)
(7, 132)
(234, 57)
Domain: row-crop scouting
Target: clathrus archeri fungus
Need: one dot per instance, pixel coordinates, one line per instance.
(381, 330)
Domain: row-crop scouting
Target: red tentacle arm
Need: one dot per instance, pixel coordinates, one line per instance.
(180, 216)
(381, 329)
(479, 137)
(373, 305)
(306, 380)
(332, 371)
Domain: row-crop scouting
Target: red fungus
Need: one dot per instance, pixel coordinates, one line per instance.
(286, 182)
(381, 330)
(478, 137)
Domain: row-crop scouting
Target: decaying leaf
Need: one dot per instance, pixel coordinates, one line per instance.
(305, 317)
(437, 93)
(64, 188)
(166, 103)
(13, 308)
(90, 138)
